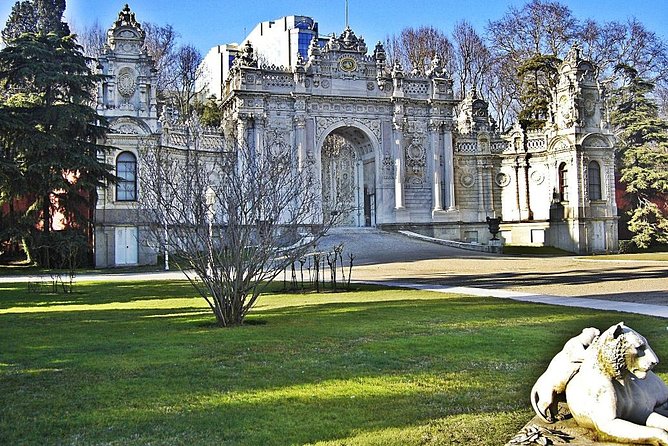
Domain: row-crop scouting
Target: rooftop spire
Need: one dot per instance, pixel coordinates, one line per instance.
(347, 22)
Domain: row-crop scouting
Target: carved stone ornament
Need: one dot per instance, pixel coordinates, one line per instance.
(126, 129)
(589, 104)
(502, 179)
(388, 167)
(127, 18)
(537, 176)
(347, 64)
(467, 179)
(126, 82)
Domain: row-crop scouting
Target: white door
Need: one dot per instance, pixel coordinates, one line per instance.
(126, 246)
(598, 236)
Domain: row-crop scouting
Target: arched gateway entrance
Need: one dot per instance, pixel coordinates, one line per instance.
(348, 177)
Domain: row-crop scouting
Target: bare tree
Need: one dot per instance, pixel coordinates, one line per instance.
(187, 70)
(416, 47)
(178, 68)
(236, 216)
(502, 91)
(539, 27)
(631, 44)
(160, 43)
(473, 58)
(92, 39)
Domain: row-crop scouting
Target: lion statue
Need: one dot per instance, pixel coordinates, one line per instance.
(613, 391)
(550, 388)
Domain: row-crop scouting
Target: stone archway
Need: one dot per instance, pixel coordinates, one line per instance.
(348, 176)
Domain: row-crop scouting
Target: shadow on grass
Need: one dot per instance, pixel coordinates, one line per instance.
(293, 375)
(21, 294)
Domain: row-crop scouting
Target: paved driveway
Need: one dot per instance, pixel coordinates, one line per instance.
(394, 257)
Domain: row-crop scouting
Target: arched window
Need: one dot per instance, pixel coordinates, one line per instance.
(126, 170)
(563, 181)
(594, 180)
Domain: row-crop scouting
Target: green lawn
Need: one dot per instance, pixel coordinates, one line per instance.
(141, 363)
(653, 256)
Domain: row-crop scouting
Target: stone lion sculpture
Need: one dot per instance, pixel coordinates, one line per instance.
(614, 391)
(550, 388)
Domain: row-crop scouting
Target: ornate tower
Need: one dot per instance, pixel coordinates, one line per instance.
(582, 167)
(127, 98)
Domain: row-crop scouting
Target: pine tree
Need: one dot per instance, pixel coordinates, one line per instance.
(48, 133)
(538, 76)
(642, 158)
(31, 16)
(22, 19)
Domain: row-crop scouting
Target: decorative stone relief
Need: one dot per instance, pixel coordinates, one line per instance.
(323, 123)
(596, 142)
(467, 177)
(415, 155)
(388, 167)
(277, 144)
(502, 179)
(127, 129)
(537, 176)
(126, 82)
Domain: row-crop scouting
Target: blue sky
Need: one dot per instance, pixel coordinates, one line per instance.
(206, 23)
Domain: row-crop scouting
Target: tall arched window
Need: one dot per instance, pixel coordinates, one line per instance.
(563, 181)
(126, 170)
(594, 180)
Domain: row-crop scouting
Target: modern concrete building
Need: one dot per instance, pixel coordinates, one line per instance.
(278, 42)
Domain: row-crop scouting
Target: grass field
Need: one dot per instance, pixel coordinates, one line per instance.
(652, 256)
(141, 363)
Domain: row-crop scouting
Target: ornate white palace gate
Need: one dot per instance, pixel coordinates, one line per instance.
(397, 147)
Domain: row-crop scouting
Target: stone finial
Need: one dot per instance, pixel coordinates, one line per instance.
(379, 54)
(247, 57)
(573, 56)
(314, 51)
(127, 18)
(436, 68)
(397, 70)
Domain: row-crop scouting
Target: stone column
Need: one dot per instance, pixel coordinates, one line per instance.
(259, 127)
(448, 158)
(398, 124)
(398, 172)
(482, 202)
(435, 146)
(300, 139)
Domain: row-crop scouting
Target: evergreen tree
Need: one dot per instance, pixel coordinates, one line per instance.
(538, 78)
(50, 17)
(31, 16)
(48, 134)
(642, 158)
(209, 112)
(22, 19)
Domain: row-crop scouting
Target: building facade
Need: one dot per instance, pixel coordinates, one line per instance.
(399, 148)
(407, 154)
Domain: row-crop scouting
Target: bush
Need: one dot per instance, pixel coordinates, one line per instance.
(627, 247)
